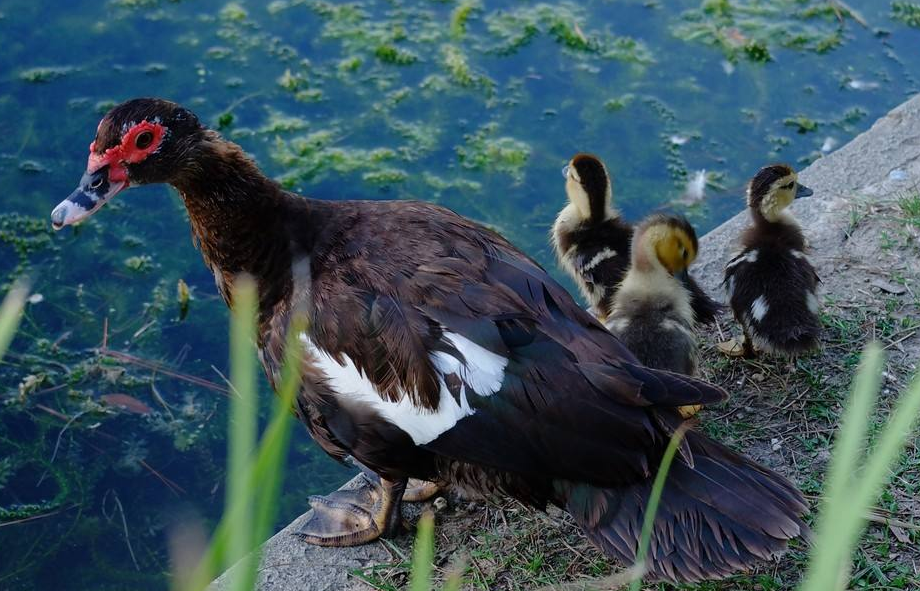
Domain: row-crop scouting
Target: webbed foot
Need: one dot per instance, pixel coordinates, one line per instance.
(689, 410)
(353, 517)
(418, 491)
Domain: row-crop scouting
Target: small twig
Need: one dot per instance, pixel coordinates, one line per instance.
(124, 523)
(57, 444)
(128, 358)
(175, 488)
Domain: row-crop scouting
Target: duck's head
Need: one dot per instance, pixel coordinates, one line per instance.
(140, 141)
(773, 188)
(665, 242)
(587, 186)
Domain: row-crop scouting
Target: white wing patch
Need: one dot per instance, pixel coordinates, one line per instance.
(730, 289)
(749, 257)
(480, 370)
(812, 301)
(760, 308)
(603, 255)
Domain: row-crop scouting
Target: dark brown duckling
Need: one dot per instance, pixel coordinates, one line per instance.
(592, 241)
(771, 285)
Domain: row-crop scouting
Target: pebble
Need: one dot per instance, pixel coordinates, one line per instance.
(897, 175)
(776, 444)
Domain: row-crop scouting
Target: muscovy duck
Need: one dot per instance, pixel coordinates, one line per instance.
(437, 350)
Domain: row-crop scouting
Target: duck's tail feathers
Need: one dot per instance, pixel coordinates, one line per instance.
(724, 515)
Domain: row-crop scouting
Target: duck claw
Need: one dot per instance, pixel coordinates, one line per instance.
(418, 491)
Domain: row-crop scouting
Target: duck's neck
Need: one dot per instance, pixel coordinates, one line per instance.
(783, 228)
(236, 213)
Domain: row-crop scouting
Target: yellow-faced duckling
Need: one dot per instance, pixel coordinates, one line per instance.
(437, 350)
(771, 284)
(592, 241)
(651, 311)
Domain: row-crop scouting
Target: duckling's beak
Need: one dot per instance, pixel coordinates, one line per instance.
(95, 189)
(803, 191)
(683, 275)
(565, 171)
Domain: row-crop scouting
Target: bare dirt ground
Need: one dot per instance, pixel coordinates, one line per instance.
(782, 413)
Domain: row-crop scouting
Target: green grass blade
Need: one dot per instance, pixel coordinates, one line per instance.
(268, 471)
(832, 547)
(10, 315)
(423, 554)
(243, 415)
(651, 508)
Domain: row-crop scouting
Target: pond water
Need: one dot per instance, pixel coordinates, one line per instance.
(473, 104)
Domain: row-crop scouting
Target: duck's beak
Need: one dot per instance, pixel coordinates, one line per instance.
(803, 191)
(95, 189)
(683, 275)
(565, 171)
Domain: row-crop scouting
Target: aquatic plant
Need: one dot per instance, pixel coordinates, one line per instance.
(481, 150)
(754, 29)
(906, 12)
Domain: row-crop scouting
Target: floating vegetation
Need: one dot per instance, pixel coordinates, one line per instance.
(753, 29)
(516, 28)
(801, 123)
(906, 12)
(139, 264)
(27, 236)
(460, 15)
(45, 74)
(460, 71)
(483, 151)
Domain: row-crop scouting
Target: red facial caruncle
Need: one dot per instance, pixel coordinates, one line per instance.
(138, 142)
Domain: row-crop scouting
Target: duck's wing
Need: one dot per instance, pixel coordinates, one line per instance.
(480, 356)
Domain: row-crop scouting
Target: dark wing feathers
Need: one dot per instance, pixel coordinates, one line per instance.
(506, 303)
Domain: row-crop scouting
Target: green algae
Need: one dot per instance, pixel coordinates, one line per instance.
(482, 150)
(45, 74)
(460, 15)
(516, 28)
(906, 12)
(459, 70)
(755, 29)
(801, 123)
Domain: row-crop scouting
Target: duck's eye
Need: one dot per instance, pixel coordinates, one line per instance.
(789, 186)
(144, 139)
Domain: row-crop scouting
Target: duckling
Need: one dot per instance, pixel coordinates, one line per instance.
(592, 241)
(590, 238)
(651, 312)
(771, 285)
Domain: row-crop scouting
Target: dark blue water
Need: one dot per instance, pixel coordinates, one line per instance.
(475, 105)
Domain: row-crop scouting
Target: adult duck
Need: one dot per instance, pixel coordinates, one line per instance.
(437, 350)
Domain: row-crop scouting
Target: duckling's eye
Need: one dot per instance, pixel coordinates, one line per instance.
(789, 186)
(144, 140)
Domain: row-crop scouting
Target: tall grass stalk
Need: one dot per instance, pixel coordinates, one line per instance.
(255, 475)
(11, 314)
(856, 477)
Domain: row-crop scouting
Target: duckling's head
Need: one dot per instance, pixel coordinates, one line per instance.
(587, 186)
(665, 242)
(772, 190)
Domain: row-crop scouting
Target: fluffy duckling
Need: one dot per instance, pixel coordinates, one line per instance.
(771, 284)
(592, 241)
(590, 238)
(651, 312)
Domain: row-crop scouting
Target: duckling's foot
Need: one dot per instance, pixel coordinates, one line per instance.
(420, 490)
(355, 516)
(732, 348)
(690, 410)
